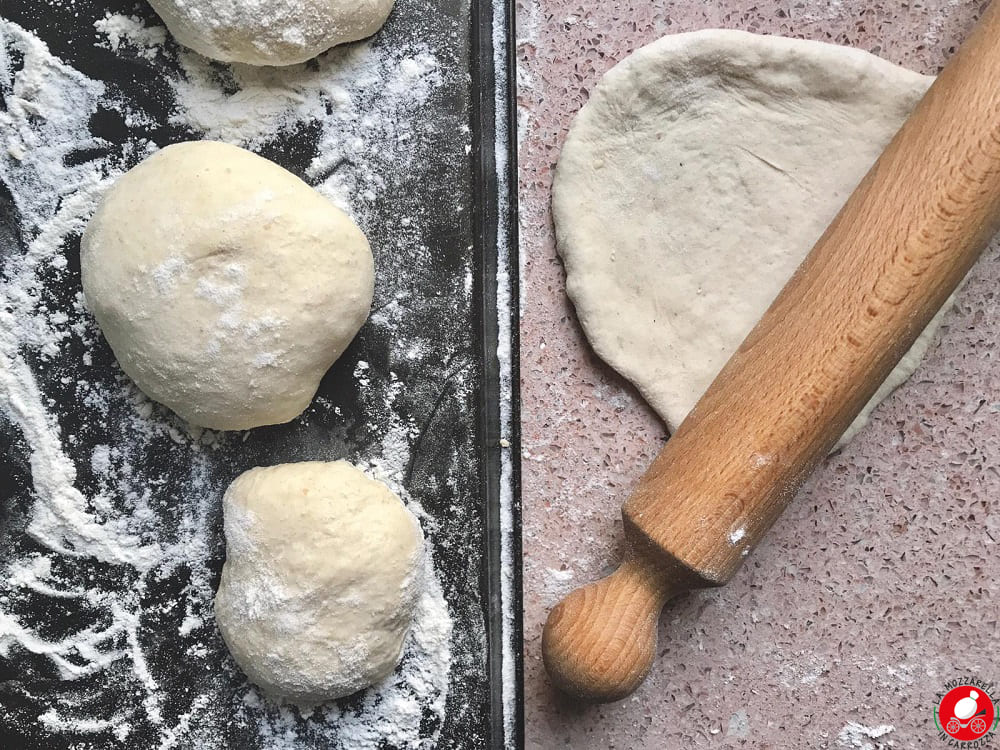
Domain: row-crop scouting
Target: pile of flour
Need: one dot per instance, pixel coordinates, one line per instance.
(109, 513)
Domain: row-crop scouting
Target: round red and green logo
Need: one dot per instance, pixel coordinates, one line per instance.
(966, 713)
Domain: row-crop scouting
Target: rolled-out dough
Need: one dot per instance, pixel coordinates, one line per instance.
(692, 184)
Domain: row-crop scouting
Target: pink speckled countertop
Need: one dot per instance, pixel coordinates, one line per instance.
(880, 583)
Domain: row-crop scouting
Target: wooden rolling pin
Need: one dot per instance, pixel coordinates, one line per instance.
(901, 244)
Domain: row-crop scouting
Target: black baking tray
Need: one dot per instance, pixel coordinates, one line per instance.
(453, 421)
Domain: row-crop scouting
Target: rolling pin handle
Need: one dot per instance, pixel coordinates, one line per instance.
(599, 642)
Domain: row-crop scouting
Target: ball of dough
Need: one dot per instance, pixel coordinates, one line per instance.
(279, 32)
(323, 571)
(224, 284)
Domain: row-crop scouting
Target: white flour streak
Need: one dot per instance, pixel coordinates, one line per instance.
(87, 642)
(59, 519)
(48, 105)
(53, 721)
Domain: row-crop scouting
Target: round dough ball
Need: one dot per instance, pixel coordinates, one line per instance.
(224, 284)
(323, 572)
(278, 32)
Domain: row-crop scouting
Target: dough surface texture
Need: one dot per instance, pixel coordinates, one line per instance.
(696, 179)
(323, 571)
(224, 284)
(270, 32)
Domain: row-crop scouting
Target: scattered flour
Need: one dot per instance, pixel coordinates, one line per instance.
(361, 97)
(739, 725)
(132, 32)
(560, 575)
(855, 735)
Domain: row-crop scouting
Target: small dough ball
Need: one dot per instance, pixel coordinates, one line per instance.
(278, 32)
(224, 284)
(323, 572)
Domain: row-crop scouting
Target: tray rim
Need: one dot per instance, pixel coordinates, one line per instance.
(494, 116)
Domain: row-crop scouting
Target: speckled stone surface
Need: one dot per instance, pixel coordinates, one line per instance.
(880, 582)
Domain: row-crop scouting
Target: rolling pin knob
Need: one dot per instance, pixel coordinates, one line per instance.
(600, 641)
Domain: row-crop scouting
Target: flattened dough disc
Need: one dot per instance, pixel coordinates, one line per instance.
(692, 184)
